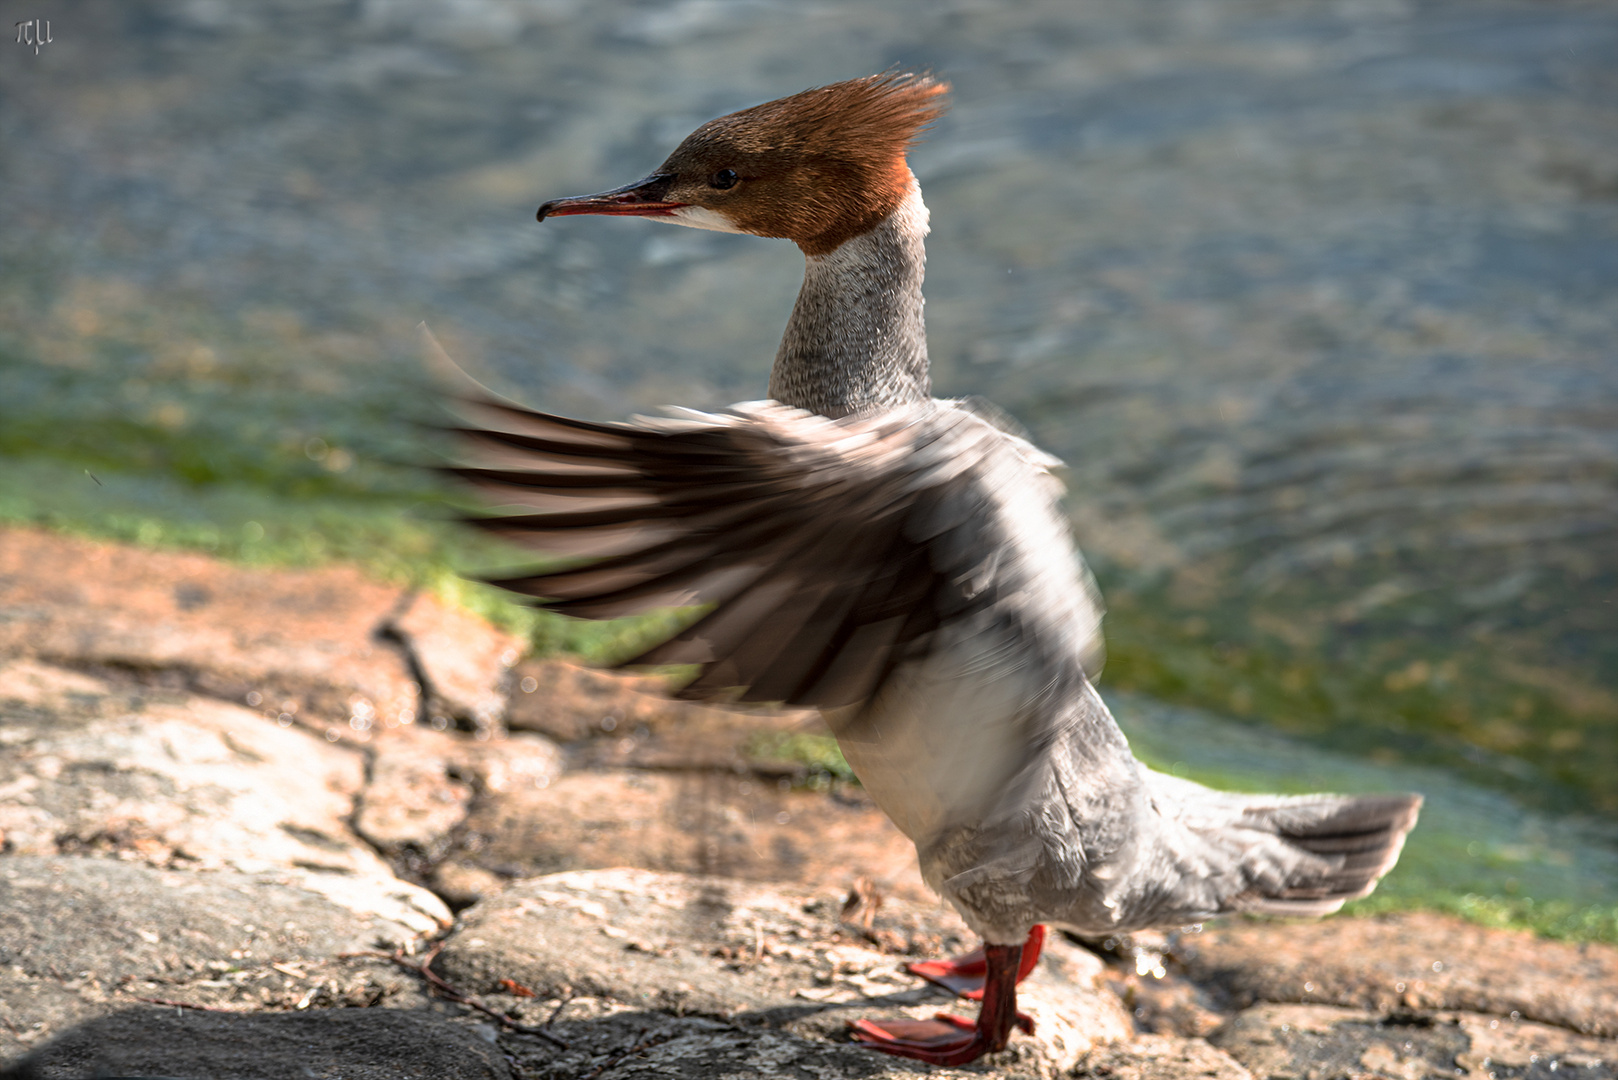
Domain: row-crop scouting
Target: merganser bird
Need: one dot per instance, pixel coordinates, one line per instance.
(901, 564)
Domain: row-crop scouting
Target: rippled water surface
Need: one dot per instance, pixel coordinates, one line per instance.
(1317, 300)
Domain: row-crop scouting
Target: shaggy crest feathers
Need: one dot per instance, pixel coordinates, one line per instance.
(828, 163)
(873, 120)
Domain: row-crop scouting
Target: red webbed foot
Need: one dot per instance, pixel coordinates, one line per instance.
(953, 1040)
(943, 1040)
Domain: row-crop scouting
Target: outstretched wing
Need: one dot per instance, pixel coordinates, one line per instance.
(828, 551)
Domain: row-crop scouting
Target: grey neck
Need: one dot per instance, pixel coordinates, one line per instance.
(856, 341)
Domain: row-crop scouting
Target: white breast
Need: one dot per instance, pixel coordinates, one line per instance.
(941, 743)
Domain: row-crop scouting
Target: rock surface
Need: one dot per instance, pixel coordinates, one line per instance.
(339, 1044)
(1158, 1057)
(776, 956)
(698, 820)
(300, 637)
(197, 887)
(1321, 1040)
(461, 659)
(186, 781)
(328, 646)
(1414, 961)
(576, 703)
(80, 937)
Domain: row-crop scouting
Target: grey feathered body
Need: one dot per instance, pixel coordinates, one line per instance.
(992, 751)
(903, 565)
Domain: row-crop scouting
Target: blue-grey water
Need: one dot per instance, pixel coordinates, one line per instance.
(1318, 300)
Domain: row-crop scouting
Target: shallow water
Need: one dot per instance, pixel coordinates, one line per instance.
(1318, 301)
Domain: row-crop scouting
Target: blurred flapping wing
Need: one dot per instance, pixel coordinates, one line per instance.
(827, 551)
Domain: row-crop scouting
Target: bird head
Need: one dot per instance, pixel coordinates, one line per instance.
(817, 168)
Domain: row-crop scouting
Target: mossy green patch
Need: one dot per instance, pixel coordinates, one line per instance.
(819, 755)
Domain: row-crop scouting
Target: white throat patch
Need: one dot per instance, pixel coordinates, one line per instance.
(700, 218)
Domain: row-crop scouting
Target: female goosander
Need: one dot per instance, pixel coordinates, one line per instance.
(901, 564)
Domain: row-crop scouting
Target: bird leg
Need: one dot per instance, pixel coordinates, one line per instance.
(964, 974)
(954, 1040)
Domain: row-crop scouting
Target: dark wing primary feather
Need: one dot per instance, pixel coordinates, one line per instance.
(828, 550)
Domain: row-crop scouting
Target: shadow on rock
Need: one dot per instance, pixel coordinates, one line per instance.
(627, 1044)
(355, 1044)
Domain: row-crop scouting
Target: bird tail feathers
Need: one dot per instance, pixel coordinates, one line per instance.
(1295, 855)
(1346, 843)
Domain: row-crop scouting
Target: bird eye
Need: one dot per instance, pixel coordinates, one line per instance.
(724, 178)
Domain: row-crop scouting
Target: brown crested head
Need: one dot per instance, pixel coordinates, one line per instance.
(817, 168)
